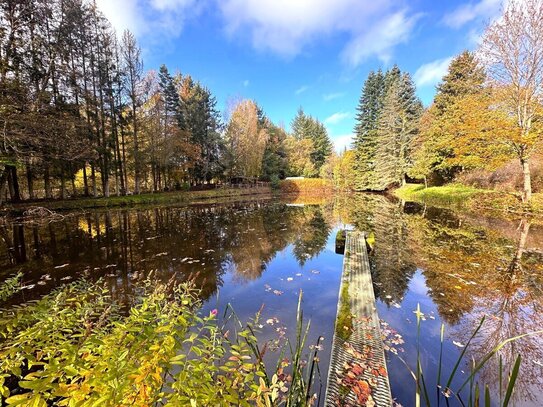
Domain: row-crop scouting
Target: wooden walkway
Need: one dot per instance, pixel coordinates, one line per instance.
(357, 374)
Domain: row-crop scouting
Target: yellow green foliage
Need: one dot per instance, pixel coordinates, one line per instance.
(452, 194)
(306, 185)
(77, 346)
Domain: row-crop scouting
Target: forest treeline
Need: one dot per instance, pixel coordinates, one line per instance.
(80, 116)
(486, 119)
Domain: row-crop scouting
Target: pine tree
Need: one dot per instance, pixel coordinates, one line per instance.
(172, 102)
(307, 127)
(274, 164)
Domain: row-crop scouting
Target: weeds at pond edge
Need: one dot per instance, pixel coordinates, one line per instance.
(444, 390)
(79, 346)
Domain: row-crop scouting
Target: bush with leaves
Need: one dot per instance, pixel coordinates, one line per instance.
(78, 346)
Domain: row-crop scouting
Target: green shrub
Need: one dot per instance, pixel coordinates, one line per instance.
(275, 182)
(78, 346)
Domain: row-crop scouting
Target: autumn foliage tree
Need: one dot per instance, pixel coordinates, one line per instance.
(512, 50)
(245, 140)
(433, 156)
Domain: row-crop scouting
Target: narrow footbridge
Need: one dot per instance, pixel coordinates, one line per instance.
(358, 374)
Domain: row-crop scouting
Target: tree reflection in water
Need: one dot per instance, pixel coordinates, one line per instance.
(472, 265)
(125, 245)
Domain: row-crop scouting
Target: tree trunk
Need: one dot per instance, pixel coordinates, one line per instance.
(62, 184)
(3, 185)
(527, 193)
(72, 181)
(85, 181)
(30, 181)
(515, 264)
(93, 178)
(47, 183)
(13, 183)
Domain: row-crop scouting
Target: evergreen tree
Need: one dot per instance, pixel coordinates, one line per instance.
(172, 103)
(365, 140)
(300, 125)
(433, 155)
(322, 146)
(397, 128)
(274, 165)
(307, 127)
(464, 77)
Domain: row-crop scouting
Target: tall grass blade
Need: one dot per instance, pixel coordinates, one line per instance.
(501, 378)
(512, 381)
(451, 377)
(493, 352)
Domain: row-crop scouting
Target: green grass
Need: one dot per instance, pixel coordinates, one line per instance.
(161, 198)
(448, 195)
(458, 196)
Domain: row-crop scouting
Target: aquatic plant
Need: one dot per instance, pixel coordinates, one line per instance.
(470, 391)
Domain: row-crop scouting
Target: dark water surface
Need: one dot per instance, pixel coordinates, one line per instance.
(458, 267)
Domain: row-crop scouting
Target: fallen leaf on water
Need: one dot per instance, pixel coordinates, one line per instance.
(62, 266)
(460, 345)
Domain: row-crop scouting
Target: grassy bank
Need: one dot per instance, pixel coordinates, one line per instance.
(162, 198)
(447, 195)
(462, 196)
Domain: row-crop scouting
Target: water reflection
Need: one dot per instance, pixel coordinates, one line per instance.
(123, 245)
(460, 267)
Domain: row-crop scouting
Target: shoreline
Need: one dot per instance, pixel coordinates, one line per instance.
(160, 198)
(458, 196)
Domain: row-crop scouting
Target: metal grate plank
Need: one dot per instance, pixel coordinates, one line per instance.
(365, 337)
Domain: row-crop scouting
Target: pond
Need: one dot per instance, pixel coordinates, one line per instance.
(458, 267)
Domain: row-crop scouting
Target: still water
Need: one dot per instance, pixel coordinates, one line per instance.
(458, 267)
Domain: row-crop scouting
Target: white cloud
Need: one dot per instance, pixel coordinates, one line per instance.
(123, 14)
(380, 39)
(431, 73)
(171, 4)
(342, 142)
(149, 17)
(286, 27)
(331, 96)
(482, 10)
(337, 117)
(301, 90)
(246, 83)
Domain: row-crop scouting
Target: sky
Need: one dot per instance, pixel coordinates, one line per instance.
(314, 54)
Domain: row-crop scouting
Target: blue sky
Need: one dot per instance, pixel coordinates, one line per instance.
(310, 53)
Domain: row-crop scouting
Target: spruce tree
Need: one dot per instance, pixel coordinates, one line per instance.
(322, 146)
(300, 125)
(464, 77)
(365, 141)
(397, 128)
(171, 97)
